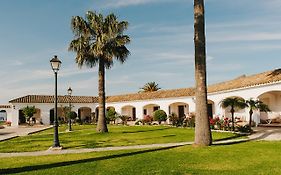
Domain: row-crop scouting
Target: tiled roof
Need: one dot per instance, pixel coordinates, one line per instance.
(50, 99)
(5, 106)
(152, 95)
(240, 82)
(247, 81)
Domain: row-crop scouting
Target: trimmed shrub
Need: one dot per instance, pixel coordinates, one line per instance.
(159, 115)
(111, 116)
(72, 115)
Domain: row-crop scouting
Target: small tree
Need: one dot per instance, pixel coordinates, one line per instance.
(124, 119)
(28, 112)
(233, 103)
(111, 115)
(255, 105)
(159, 115)
(71, 115)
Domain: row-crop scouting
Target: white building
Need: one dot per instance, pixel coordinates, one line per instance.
(264, 86)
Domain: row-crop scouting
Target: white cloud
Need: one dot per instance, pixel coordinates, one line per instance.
(254, 36)
(125, 3)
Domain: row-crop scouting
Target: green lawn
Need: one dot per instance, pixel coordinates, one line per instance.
(85, 136)
(243, 158)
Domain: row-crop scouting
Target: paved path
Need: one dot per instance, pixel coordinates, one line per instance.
(260, 134)
(267, 133)
(12, 132)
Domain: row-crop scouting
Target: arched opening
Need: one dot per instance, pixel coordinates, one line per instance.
(3, 115)
(211, 108)
(52, 116)
(150, 108)
(37, 116)
(129, 111)
(273, 100)
(84, 113)
(22, 119)
(179, 108)
(61, 115)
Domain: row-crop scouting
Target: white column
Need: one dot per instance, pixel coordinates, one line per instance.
(139, 112)
(15, 117)
(165, 108)
(45, 116)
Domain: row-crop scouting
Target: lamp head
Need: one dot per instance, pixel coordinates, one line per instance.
(55, 63)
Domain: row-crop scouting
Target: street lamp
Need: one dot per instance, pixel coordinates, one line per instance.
(69, 91)
(55, 63)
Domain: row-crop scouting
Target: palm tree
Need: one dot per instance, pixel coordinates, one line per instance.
(150, 87)
(203, 135)
(98, 41)
(255, 105)
(233, 103)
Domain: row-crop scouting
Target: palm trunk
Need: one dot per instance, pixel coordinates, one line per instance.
(203, 135)
(232, 117)
(101, 127)
(250, 120)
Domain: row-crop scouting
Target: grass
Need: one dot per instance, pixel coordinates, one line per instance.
(244, 158)
(85, 136)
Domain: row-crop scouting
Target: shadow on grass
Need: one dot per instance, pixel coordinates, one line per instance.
(149, 130)
(62, 164)
(229, 138)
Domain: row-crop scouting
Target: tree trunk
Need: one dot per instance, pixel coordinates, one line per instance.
(232, 117)
(203, 135)
(101, 127)
(250, 120)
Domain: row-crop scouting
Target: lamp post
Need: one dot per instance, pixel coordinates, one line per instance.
(55, 63)
(69, 91)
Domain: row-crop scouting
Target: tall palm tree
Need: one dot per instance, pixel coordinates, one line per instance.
(255, 105)
(98, 41)
(150, 87)
(233, 103)
(203, 135)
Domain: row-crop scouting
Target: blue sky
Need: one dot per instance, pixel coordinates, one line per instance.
(243, 37)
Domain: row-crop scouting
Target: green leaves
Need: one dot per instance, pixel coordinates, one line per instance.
(150, 87)
(97, 37)
(29, 111)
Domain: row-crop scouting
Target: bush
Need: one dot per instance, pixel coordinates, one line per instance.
(71, 115)
(173, 117)
(147, 119)
(177, 121)
(244, 129)
(124, 119)
(111, 116)
(160, 115)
